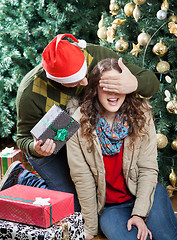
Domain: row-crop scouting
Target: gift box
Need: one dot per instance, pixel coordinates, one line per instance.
(7, 156)
(35, 206)
(68, 228)
(56, 124)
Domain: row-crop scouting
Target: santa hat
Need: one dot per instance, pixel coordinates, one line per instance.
(63, 61)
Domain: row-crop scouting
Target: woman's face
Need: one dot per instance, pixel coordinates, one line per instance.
(110, 101)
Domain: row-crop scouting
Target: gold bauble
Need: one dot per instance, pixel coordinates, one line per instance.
(176, 86)
(114, 8)
(160, 49)
(162, 140)
(136, 13)
(165, 5)
(163, 67)
(172, 106)
(144, 39)
(174, 145)
(100, 24)
(102, 33)
(139, 2)
(173, 178)
(128, 9)
(121, 45)
(173, 18)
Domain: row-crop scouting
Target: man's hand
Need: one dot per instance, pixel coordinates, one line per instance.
(88, 236)
(126, 81)
(143, 231)
(46, 149)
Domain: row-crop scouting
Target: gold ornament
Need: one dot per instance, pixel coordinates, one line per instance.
(165, 5)
(117, 22)
(172, 28)
(174, 145)
(173, 178)
(172, 106)
(136, 13)
(176, 86)
(114, 8)
(144, 38)
(121, 45)
(160, 49)
(173, 18)
(139, 2)
(102, 33)
(136, 49)
(162, 140)
(100, 24)
(163, 67)
(110, 34)
(128, 9)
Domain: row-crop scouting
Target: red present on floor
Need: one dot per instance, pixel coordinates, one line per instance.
(8, 156)
(35, 206)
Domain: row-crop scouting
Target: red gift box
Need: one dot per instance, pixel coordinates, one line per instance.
(17, 203)
(7, 157)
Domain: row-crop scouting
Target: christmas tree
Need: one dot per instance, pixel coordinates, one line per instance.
(26, 28)
(144, 32)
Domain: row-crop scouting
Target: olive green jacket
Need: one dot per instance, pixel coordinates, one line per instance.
(37, 94)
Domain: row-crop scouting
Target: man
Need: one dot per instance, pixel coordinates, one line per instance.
(61, 76)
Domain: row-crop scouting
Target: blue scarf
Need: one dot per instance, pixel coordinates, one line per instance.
(111, 139)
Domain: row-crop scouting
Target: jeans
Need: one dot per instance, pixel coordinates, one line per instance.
(161, 221)
(54, 173)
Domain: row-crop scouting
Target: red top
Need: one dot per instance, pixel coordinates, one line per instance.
(116, 188)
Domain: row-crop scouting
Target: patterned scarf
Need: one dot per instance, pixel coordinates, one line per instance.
(111, 139)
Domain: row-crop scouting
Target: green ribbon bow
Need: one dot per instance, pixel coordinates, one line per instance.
(61, 133)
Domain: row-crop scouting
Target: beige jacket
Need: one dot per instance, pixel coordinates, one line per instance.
(140, 170)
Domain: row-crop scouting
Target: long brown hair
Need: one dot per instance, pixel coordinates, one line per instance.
(132, 108)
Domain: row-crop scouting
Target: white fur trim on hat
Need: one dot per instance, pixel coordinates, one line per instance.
(70, 79)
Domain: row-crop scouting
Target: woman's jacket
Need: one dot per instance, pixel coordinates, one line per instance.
(140, 171)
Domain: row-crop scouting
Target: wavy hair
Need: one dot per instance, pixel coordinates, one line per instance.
(132, 109)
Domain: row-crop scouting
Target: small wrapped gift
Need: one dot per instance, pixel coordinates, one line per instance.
(57, 125)
(69, 228)
(35, 206)
(7, 156)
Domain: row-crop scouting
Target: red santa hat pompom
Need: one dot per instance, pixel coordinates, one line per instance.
(63, 61)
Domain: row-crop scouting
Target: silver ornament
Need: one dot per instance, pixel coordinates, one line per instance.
(161, 14)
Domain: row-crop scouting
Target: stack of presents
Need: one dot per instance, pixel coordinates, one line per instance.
(34, 213)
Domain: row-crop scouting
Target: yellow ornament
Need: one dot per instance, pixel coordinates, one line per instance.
(100, 24)
(128, 9)
(176, 86)
(136, 13)
(172, 106)
(173, 18)
(163, 67)
(136, 49)
(121, 45)
(117, 22)
(160, 49)
(144, 39)
(139, 2)
(172, 28)
(173, 178)
(102, 33)
(165, 5)
(110, 34)
(162, 140)
(114, 8)
(174, 145)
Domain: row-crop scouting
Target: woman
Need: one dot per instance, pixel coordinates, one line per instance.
(112, 160)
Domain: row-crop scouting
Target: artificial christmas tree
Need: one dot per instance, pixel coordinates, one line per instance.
(144, 32)
(26, 28)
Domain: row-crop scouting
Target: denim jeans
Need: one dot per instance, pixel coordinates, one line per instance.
(161, 221)
(54, 173)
